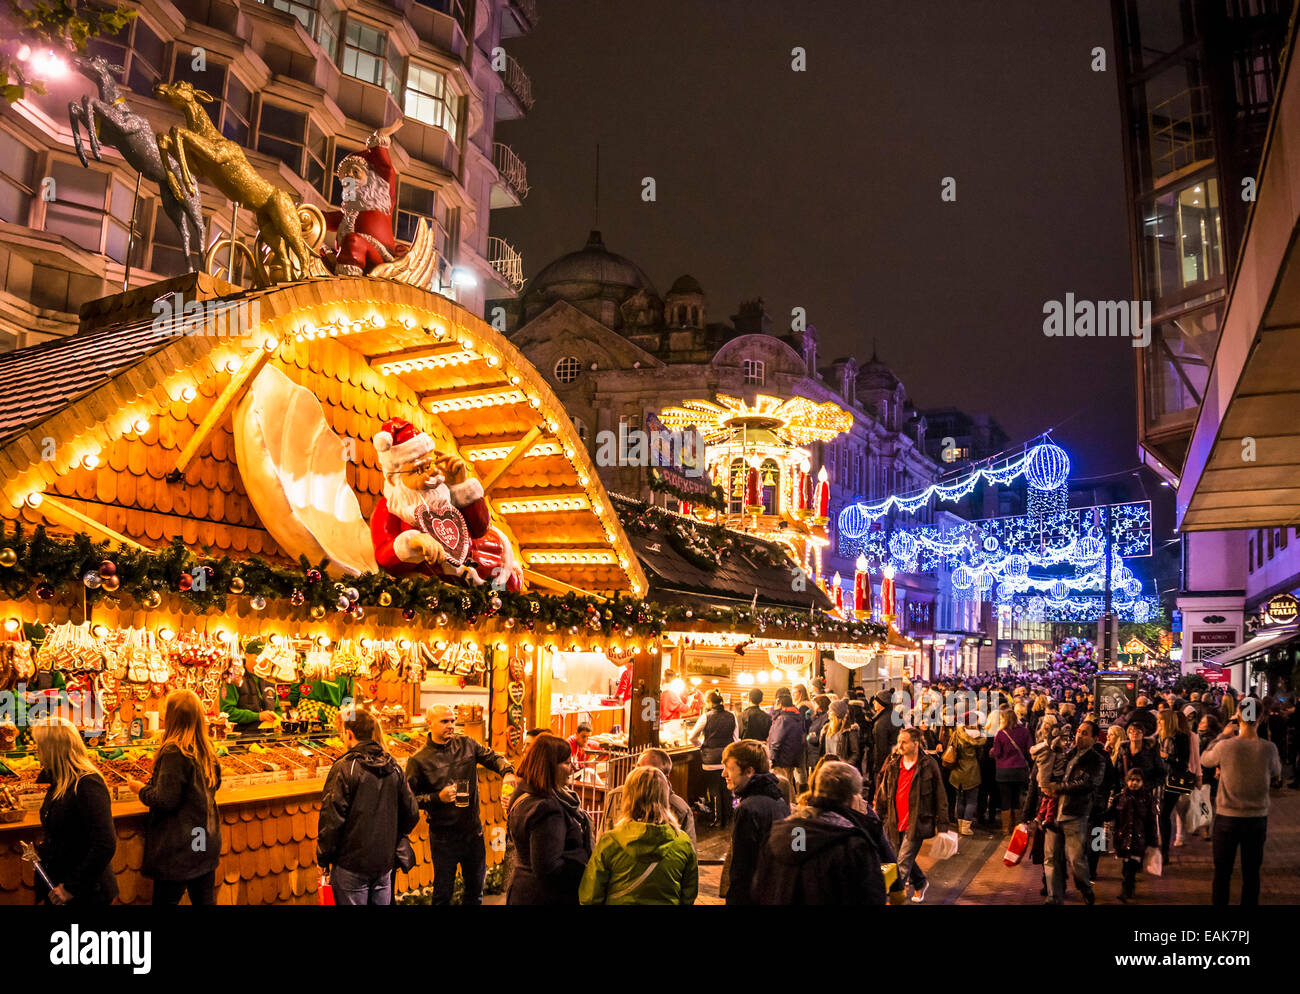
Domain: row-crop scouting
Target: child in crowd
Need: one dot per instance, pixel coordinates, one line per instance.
(1133, 812)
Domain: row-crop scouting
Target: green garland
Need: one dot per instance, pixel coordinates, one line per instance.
(702, 544)
(63, 563)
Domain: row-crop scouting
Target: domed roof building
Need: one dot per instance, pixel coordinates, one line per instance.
(592, 279)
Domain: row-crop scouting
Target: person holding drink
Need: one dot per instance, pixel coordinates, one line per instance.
(444, 777)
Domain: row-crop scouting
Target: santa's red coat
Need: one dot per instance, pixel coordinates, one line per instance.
(489, 551)
(374, 223)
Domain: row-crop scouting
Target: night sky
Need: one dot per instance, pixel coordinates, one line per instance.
(822, 188)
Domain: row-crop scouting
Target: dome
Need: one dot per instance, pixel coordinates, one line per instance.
(592, 264)
(875, 375)
(686, 284)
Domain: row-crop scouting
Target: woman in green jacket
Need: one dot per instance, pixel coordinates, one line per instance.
(964, 754)
(646, 859)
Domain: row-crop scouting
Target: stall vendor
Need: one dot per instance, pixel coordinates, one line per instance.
(252, 700)
(26, 693)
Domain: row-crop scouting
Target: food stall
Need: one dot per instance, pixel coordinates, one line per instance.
(186, 495)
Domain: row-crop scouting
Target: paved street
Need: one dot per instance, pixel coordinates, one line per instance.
(977, 875)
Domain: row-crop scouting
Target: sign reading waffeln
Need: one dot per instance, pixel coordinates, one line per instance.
(791, 659)
(854, 659)
(1283, 609)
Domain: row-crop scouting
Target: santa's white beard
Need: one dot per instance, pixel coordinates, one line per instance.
(404, 502)
(372, 195)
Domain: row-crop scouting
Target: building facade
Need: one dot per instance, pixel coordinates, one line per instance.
(1201, 87)
(615, 350)
(300, 84)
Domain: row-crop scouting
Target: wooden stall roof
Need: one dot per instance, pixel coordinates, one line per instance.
(675, 579)
(369, 349)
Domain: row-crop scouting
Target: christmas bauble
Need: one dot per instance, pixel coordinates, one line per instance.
(343, 602)
(109, 583)
(408, 613)
(236, 584)
(92, 580)
(385, 598)
(186, 582)
(313, 576)
(358, 612)
(44, 591)
(317, 612)
(108, 568)
(8, 557)
(352, 594)
(297, 599)
(257, 602)
(440, 620)
(151, 599)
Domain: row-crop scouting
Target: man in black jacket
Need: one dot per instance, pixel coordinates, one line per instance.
(455, 828)
(366, 809)
(1068, 840)
(748, 772)
(755, 723)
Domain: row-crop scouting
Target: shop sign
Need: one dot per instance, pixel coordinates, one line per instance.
(791, 659)
(1283, 609)
(854, 659)
(1218, 636)
(1215, 674)
(712, 664)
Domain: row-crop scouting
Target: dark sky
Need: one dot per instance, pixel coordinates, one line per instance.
(822, 188)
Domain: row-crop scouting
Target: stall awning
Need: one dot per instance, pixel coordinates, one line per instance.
(1260, 643)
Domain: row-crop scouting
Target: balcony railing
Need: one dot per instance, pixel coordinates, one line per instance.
(511, 168)
(1180, 131)
(506, 260)
(518, 83)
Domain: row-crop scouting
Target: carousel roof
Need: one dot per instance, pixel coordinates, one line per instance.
(367, 349)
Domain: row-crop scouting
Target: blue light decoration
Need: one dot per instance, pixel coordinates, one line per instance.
(1047, 467)
(1016, 566)
(853, 523)
(962, 578)
(1059, 590)
(1088, 550)
(903, 545)
(1088, 609)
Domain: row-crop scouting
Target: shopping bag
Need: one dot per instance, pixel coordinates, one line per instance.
(324, 891)
(944, 845)
(1199, 811)
(1152, 862)
(1019, 844)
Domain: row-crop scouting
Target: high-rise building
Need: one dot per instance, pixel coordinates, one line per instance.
(1208, 101)
(299, 84)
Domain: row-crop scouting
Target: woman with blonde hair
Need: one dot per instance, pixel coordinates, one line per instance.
(183, 843)
(647, 859)
(77, 816)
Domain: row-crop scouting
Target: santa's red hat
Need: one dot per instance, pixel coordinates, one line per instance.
(399, 444)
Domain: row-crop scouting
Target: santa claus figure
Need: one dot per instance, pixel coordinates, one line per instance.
(364, 226)
(433, 518)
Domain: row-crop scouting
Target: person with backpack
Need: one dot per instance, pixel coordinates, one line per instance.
(647, 858)
(183, 841)
(366, 809)
(829, 851)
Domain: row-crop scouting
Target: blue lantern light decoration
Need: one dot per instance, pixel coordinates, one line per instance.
(903, 545)
(984, 580)
(1059, 591)
(990, 543)
(1016, 567)
(1133, 587)
(1048, 467)
(1088, 550)
(1141, 612)
(1036, 605)
(1005, 591)
(962, 578)
(853, 522)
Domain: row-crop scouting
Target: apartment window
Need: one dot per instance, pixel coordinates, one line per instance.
(239, 111)
(739, 474)
(17, 179)
(292, 138)
(365, 56)
(167, 259)
(1181, 237)
(754, 371)
(567, 369)
(1281, 538)
(429, 99)
(1259, 548)
(141, 53)
(91, 210)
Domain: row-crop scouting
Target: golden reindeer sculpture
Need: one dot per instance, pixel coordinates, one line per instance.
(224, 164)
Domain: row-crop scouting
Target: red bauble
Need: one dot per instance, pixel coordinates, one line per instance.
(408, 613)
(44, 591)
(108, 568)
(186, 581)
(313, 576)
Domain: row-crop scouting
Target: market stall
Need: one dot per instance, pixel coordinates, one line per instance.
(175, 495)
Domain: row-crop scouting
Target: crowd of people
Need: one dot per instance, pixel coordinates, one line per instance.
(817, 793)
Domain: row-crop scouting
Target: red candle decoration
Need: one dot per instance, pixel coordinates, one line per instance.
(823, 502)
(801, 490)
(861, 589)
(887, 594)
(751, 491)
(839, 592)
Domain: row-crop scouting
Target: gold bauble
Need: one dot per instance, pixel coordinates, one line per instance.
(385, 598)
(317, 612)
(8, 557)
(110, 583)
(151, 599)
(236, 584)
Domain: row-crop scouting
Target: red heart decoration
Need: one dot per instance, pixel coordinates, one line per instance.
(448, 529)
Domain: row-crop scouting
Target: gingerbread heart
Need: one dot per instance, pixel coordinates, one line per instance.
(448, 529)
(516, 669)
(515, 737)
(516, 692)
